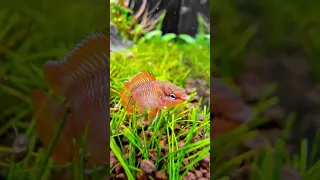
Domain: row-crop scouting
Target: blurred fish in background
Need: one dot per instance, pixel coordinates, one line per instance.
(227, 109)
(82, 78)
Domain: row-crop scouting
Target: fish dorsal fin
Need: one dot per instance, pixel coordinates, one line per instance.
(89, 56)
(138, 79)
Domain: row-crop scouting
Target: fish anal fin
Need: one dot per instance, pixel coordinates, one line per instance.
(138, 79)
(153, 115)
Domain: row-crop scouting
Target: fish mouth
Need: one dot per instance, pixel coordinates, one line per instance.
(185, 98)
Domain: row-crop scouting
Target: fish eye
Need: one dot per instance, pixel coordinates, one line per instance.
(173, 97)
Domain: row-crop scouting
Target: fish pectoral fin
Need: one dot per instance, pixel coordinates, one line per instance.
(153, 116)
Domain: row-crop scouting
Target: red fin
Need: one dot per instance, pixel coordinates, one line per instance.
(47, 114)
(124, 101)
(222, 125)
(225, 102)
(90, 55)
(138, 79)
(152, 115)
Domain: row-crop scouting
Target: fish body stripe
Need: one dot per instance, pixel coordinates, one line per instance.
(148, 94)
(150, 99)
(91, 89)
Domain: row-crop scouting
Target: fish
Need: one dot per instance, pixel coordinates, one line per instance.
(146, 92)
(229, 110)
(81, 77)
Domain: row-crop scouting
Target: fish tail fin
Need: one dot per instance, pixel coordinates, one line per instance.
(47, 114)
(89, 56)
(125, 100)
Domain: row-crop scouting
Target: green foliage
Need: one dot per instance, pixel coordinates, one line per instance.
(130, 25)
(222, 145)
(264, 27)
(269, 161)
(123, 18)
(170, 61)
(167, 61)
(31, 33)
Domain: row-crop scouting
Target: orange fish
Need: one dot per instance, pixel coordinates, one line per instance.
(82, 77)
(228, 108)
(145, 91)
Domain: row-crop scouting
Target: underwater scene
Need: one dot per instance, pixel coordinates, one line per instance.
(265, 90)
(166, 90)
(51, 88)
(82, 99)
(159, 90)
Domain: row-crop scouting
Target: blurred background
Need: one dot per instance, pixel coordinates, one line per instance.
(271, 49)
(31, 33)
(181, 15)
(261, 49)
(172, 41)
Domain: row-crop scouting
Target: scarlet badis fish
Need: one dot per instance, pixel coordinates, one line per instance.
(82, 77)
(146, 92)
(231, 110)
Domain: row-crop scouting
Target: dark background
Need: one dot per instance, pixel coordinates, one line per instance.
(181, 16)
(258, 44)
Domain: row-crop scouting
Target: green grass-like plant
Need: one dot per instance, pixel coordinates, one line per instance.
(31, 33)
(167, 60)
